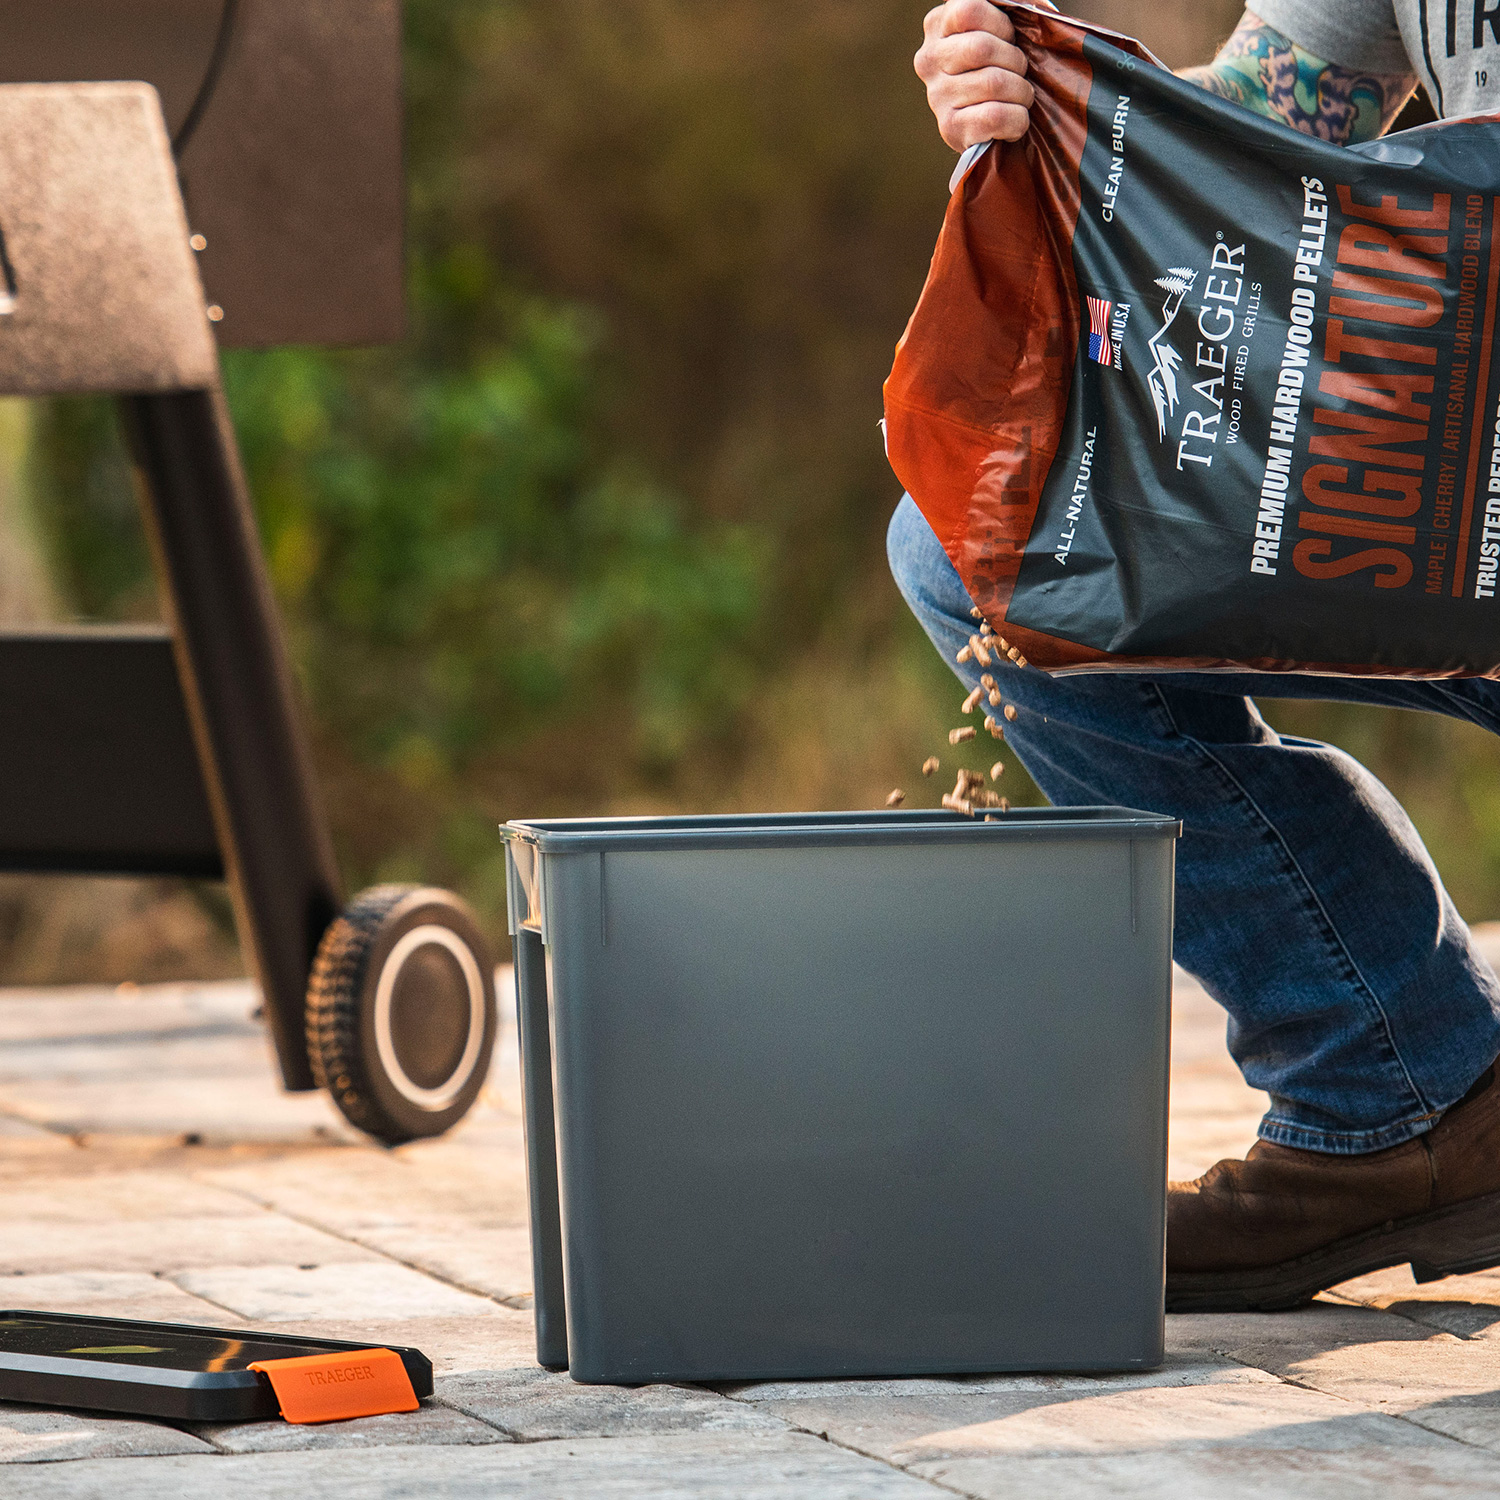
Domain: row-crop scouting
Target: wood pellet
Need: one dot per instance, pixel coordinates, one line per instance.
(968, 784)
(970, 795)
(969, 792)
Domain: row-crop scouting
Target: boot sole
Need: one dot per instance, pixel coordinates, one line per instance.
(1448, 1241)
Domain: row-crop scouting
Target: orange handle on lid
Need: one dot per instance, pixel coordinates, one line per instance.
(334, 1387)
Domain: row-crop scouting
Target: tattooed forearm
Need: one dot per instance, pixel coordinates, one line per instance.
(1265, 71)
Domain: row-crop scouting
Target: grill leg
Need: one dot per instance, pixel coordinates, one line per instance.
(241, 698)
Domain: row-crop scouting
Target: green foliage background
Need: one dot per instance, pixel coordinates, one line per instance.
(605, 532)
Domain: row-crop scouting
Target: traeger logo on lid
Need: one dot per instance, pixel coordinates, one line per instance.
(1199, 427)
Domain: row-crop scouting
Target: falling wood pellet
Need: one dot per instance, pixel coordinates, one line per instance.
(976, 613)
(972, 701)
(930, 765)
(993, 727)
(1010, 712)
(964, 654)
(980, 652)
(994, 698)
(958, 736)
(896, 798)
(969, 792)
(1020, 661)
(997, 770)
(987, 682)
(1005, 804)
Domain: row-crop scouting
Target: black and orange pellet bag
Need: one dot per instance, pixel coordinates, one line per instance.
(1189, 389)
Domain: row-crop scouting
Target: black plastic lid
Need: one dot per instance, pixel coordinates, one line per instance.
(174, 1370)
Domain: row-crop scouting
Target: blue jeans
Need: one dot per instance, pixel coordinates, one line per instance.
(1306, 903)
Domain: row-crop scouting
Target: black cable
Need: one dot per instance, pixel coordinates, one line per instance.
(217, 58)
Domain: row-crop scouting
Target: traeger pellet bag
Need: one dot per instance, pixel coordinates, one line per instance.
(1188, 388)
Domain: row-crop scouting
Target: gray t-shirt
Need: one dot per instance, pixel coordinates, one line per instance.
(1453, 46)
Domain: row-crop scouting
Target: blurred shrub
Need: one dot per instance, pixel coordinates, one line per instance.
(468, 575)
(465, 572)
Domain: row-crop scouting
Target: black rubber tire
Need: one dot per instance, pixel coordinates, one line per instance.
(406, 1060)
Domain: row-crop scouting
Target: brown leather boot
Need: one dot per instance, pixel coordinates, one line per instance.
(1272, 1231)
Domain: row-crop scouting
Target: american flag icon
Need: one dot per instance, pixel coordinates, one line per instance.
(1100, 348)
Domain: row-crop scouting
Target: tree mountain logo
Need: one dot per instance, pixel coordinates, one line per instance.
(1165, 360)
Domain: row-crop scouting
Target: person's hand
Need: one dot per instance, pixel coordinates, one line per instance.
(975, 74)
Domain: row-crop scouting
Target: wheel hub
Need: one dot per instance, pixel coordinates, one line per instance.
(429, 1016)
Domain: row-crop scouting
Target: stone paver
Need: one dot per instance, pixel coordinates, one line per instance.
(534, 1404)
(343, 1289)
(484, 1255)
(33, 1435)
(121, 1193)
(479, 1174)
(433, 1425)
(1185, 1366)
(718, 1466)
(166, 1245)
(503, 1340)
(20, 1138)
(1437, 1471)
(278, 1215)
(972, 1433)
(109, 1294)
(1267, 1340)
(1468, 1306)
(152, 1061)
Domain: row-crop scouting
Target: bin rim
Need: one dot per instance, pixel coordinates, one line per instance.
(815, 829)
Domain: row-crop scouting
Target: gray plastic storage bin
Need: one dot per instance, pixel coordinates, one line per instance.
(845, 1094)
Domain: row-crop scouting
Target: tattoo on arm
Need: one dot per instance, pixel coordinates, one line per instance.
(1267, 72)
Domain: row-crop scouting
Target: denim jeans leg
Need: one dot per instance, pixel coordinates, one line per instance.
(1306, 902)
